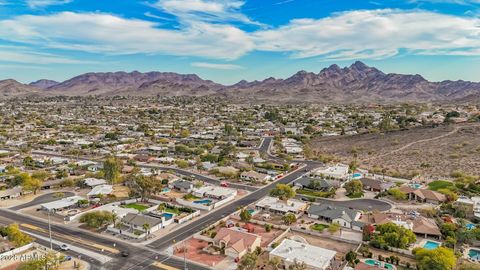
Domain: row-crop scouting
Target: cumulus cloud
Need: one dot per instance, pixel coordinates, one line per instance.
(105, 33)
(373, 34)
(216, 66)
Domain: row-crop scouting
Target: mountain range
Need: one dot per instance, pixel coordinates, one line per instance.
(356, 83)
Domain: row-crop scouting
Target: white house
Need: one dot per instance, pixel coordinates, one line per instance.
(214, 192)
(100, 190)
(316, 258)
(276, 205)
(339, 171)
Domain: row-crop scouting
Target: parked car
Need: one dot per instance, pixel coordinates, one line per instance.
(125, 253)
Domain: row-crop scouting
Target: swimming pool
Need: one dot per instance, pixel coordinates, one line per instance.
(416, 185)
(474, 254)
(470, 226)
(165, 190)
(357, 175)
(207, 201)
(167, 215)
(251, 211)
(431, 245)
(379, 264)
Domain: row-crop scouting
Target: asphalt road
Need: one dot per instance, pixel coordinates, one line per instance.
(359, 204)
(197, 176)
(211, 218)
(140, 257)
(45, 198)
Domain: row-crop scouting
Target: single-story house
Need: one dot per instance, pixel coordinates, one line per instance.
(423, 195)
(343, 216)
(421, 226)
(254, 176)
(315, 258)
(236, 242)
(375, 184)
(214, 192)
(61, 204)
(93, 182)
(11, 193)
(100, 190)
(51, 184)
(275, 205)
(138, 221)
(316, 184)
(182, 186)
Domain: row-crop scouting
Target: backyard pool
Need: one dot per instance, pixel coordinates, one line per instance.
(167, 215)
(474, 254)
(357, 175)
(203, 201)
(431, 245)
(165, 190)
(416, 185)
(379, 264)
(251, 211)
(470, 226)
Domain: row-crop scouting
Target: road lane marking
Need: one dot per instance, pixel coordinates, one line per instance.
(73, 239)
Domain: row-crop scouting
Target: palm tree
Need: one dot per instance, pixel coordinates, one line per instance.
(146, 228)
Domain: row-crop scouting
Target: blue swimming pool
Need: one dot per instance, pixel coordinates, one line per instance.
(165, 190)
(474, 254)
(416, 185)
(207, 201)
(251, 211)
(379, 264)
(431, 245)
(167, 215)
(357, 175)
(470, 226)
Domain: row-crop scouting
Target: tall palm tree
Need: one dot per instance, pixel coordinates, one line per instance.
(146, 227)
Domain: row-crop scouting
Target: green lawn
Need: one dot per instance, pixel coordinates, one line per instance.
(439, 184)
(136, 206)
(319, 227)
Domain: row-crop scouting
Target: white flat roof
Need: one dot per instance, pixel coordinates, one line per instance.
(101, 190)
(62, 203)
(94, 181)
(313, 256)
(216, 191)
(282, 206)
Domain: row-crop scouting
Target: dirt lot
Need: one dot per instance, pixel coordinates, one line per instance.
(433, 152)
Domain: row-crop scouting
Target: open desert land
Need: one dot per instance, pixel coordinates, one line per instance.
(431, 152)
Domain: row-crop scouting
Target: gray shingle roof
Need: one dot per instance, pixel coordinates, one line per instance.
(332, 212)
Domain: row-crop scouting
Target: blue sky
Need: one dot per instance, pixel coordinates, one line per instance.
(230, 40)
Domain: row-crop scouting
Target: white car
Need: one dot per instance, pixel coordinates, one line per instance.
(65, 247)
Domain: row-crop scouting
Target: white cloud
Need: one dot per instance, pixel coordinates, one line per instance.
(205, 10)
(45, 3)
(109, 34)
(373, 34)
(216, 66)
(13, 54)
